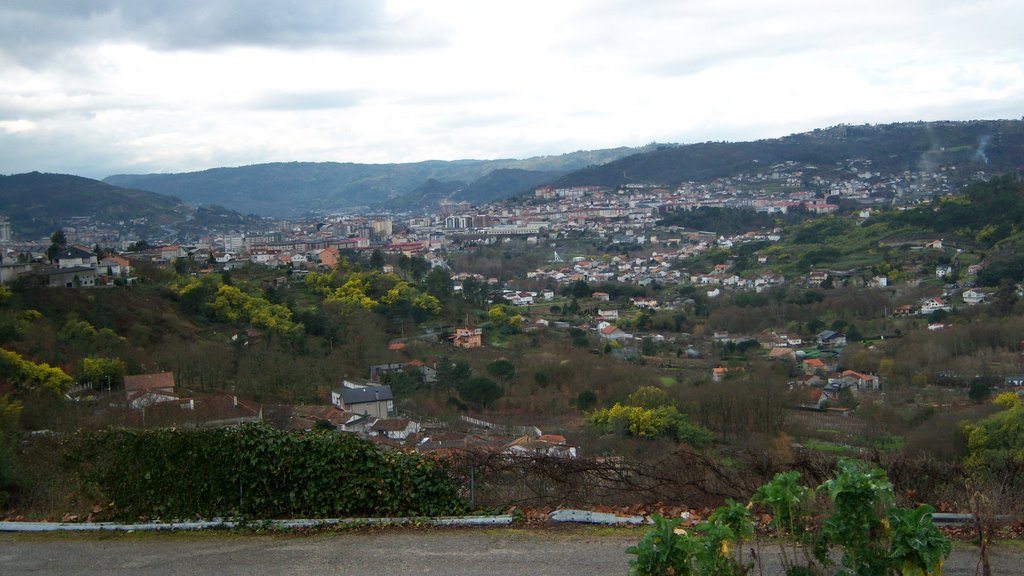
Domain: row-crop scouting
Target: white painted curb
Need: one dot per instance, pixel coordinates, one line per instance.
(588, 517)
(503, 520)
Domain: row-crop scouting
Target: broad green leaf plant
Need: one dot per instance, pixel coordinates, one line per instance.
(868, 534)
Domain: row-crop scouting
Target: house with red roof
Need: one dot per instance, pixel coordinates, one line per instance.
(143, 390)
(613, 332)
(814, 366)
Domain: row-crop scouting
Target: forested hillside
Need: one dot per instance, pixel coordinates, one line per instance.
(983, 222)
(293, 188)
(37, 204)
(995, 146)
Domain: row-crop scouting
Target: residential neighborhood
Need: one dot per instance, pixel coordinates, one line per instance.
(640, 270)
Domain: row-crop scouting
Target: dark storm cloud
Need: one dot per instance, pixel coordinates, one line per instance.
(40, 29)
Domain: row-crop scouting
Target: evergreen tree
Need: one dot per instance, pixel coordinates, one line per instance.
(58, 242)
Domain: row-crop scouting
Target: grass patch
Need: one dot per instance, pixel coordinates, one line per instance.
(889, 443)
(829, 447)
(667, 381)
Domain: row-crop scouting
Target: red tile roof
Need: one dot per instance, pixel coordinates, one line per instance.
(157, 381)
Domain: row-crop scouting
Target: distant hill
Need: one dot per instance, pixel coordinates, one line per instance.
(295, 188)
(37, 204)
(430, 193)
(994, 146)
(499, 184)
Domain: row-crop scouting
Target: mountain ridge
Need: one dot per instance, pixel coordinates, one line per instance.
(286, 189)
(38, 203)
(988, 145)
(318, 187)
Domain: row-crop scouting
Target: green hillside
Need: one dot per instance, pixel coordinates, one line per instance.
(984, 221)
(992, 146)
(37, 204)
(287, 189)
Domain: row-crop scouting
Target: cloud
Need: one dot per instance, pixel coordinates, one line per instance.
(34, 30)
(329, 100)
(16, 126)
(101, 86)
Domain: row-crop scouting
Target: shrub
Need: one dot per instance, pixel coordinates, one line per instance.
(874, 537)
(255, 471)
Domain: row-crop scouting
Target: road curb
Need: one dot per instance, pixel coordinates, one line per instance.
(502, 520)
(588, 517)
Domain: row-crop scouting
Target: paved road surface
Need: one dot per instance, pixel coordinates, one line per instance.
(392, 552)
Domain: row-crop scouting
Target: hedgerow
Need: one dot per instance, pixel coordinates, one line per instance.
(255, 471)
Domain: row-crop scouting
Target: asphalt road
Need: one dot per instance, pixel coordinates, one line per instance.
(394, 552)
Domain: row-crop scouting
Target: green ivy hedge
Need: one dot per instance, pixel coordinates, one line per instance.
(256, 471)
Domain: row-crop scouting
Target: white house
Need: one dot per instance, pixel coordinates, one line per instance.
(973, 297)
(394, 428)
(933, 305)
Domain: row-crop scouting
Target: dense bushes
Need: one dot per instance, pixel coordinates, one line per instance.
(870, 536)
(258, 472)
(650, 423)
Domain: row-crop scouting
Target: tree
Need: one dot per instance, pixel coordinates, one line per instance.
(996, 445)
(997, 440)
(586, 400)
(650, 397)
(27, 375)
(404, 263)
(354, 292)
(579, 289)
(438, 283)
(405, 382)
(58, 242)
(418, 266)
(1006, 298)
(404, 301)
(474, 291)
(647, 347)
(10, 412)
(452, 374)
(579, 338)
(181, 266)
(101, 373)
(325, 425)
(233, 306)
(376, 260)
(480, 390)
(573, 308)
(979, 391)
(503, 321)
(502, 368)
(678, 319)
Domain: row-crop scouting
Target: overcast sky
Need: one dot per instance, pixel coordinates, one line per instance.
(98, 87)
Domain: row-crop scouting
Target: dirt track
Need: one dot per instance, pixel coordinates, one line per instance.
(395, 552)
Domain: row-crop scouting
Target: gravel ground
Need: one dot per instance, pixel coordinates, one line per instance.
(395, 552)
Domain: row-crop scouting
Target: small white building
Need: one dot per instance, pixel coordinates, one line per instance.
(973, 297)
